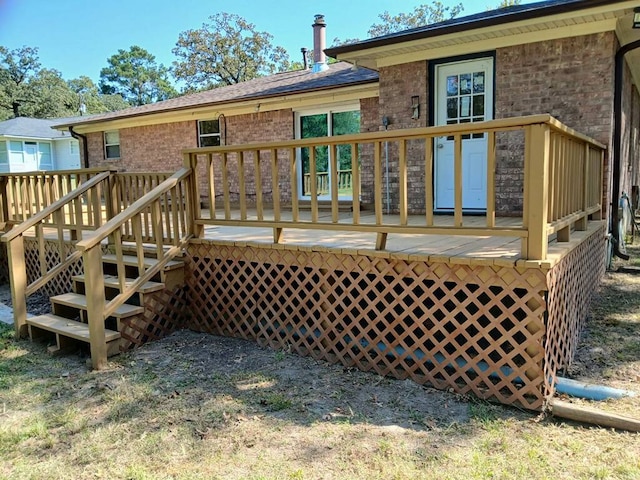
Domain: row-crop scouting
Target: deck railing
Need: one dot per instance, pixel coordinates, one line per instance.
(562, 184)
(24, 194)
(344, 178)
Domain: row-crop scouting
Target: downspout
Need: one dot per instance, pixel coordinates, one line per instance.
(85, 148)
(617, 143)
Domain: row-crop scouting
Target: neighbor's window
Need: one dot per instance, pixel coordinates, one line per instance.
(74, 147)
(4, 155)
(112, 145)
(208, 133)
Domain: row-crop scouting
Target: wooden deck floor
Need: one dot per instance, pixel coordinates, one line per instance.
(469, 250)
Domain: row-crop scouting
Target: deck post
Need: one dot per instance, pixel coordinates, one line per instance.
(193, 195)
(94, 286)
(18, 275)
(536, 191)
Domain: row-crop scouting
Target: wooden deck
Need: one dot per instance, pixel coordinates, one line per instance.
(455, 249)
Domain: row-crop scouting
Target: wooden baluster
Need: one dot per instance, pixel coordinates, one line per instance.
(174, 215)
(491, 179)
(4, 202)
(381, 237)
(212, 188)
(313, 178)
(156, 220)
(184, 208)
(120, 266)
(226, 187)
(42, 253)
(277, 231)
(137, 234)
(59, 221)
(258, 181)
(355, 183)
(402, 181)
(428, 180)
(76, 230)
(457, 167)
(242, 186)
(581, 224)
(293, 165)
(333, 169)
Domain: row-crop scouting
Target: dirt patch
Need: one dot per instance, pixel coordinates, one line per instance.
(37, 304)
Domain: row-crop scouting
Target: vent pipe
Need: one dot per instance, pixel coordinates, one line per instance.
(305, 60)
(319, 44)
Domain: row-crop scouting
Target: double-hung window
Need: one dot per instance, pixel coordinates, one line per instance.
(112, 145)
(209, 133)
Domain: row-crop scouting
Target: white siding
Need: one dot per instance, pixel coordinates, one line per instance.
(65, 157)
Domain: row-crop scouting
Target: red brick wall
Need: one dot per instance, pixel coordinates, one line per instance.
(148, 148)
(571, 79)
(398, 84)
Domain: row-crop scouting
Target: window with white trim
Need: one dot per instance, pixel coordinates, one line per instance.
(209, 133)
(4, 153)
(112, 145)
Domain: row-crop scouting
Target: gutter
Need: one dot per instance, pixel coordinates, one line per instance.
(617, 144)
(85, 148)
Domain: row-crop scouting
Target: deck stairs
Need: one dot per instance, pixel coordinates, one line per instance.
(66, 325)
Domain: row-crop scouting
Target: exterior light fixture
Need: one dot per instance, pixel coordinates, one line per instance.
(636, 17)
(415, 107)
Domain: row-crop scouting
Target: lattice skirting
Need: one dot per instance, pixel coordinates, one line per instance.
(61, 283)
(572, 284)
(164, 312)
(473, 329)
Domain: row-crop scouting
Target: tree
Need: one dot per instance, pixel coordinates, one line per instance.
(88, 99)
(506, 3)
(135, 75)
(225, 51)
(17, 67)
(422, 15)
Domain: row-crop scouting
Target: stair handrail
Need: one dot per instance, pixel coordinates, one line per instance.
(134, 209)
(57, 205)
(98, 308)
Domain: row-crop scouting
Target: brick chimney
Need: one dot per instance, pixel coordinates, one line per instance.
(319, 44)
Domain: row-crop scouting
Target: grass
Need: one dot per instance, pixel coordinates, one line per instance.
(201, 407)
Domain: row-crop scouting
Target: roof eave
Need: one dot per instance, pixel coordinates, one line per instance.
(216, 104)
(507, 17)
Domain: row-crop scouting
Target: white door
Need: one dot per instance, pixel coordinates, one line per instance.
(464, 94)
(30, 156)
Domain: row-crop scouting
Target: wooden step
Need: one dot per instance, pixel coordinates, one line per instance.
(132, 260)
(78, 301)
(68, 328)
(111, 281)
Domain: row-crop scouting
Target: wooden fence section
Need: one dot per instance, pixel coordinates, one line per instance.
(22, 195)
(562, 181)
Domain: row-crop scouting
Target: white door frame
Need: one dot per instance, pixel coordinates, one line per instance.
(474, 149)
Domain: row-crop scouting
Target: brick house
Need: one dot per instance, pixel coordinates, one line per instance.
(554, 57)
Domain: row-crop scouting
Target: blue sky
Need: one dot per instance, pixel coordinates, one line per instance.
(77, 36)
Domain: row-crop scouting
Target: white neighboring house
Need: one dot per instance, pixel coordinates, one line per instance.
(30, 144)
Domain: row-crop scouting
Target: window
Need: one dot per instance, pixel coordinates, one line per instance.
(4, 156)
(74, 147)
(209, 133)
(112, 145)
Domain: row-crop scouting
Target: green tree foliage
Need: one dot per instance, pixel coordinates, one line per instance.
(135, 75)
(506, 3)
(423, 14)
(17, 68)
(30, 91)
(225, 51)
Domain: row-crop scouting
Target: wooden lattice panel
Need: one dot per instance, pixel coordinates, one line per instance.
(572, 283)
(61, 283)
(473, 329)
(165, 312)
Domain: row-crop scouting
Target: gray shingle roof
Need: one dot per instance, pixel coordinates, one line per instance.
(300, 81)
(31, 128)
